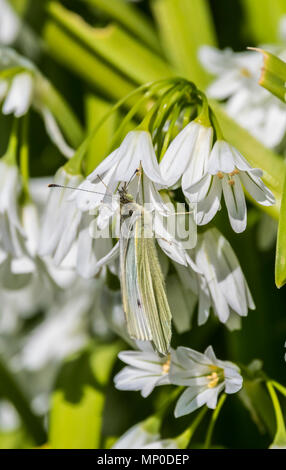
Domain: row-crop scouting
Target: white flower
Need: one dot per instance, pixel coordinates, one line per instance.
(261, 113)
(227, 171)
(205, 377)
(19, 91)
(11, 231)
(140, 435)
(61, 218)
(134, 162)
(92, 253)
(135, 152)
(221, 284)
(9, 417)
(145, 371)
(19, 96)
(9, 23)
(187, 155)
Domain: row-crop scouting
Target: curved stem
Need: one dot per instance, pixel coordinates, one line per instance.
(280, 436)
(184, 439)
(213, 421)
(24, 156)
(279, 387)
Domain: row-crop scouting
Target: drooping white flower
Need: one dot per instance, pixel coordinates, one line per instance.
(9, 417)
(140, 435)
(135, 152)
(227, 172)
(9, 23)
(237, 76)
(20, 95)
(61, 218)
(11, 231)
(133, 162)
(221, 284)
(21, 90)
(145, 371)
(187, 156)
(205, 377)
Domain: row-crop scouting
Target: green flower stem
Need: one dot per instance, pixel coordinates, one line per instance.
(64, 48)
(280, 259)
(131, 18)
(280, 436)
(279, 387)
(164, 407)
(10, 156)
(10, 389)
(262, 18)
(113, 45)
(24, 157)
(184, 439)
(61, 111)
(213, 421)
(184, 26)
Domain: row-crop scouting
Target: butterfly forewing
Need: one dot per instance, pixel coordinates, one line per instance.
(144, 297)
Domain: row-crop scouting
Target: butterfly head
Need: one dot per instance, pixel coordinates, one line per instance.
(125, 197)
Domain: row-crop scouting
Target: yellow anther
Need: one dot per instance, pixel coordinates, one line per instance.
(234, 172)
(166, 365)
(245, 72)
(213, 380)
(220, 175)
(231, 182)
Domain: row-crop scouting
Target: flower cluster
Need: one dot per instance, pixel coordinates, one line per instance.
(237, 75)
(203, 375)
(91, 225)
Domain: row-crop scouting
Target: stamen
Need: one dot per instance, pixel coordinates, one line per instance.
(245, 72)
(220, 175)
(234, 172)
(231, 182)
(166, 365)
(213, 380)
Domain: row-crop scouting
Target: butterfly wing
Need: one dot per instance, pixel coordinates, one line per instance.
(144, 297)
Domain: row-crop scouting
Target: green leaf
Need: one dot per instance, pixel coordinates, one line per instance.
(96, 109)
(257, 401)
(273, 74)
(61, 110)
(184, 26)
(16, 439)
(280, 261)
(114, 45)
(64, 48)
(262, 18)
(134, 21)
(79, 397)
(279, 441)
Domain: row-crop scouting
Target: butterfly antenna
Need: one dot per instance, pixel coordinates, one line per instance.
(53, 185)
(138, 170)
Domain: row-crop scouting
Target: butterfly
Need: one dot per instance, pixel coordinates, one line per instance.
(144, 297)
